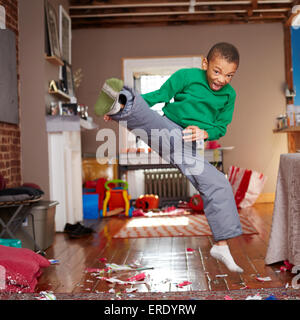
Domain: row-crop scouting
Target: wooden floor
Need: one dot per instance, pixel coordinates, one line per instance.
(168, 257)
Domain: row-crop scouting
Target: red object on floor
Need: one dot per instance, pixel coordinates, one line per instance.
(147, 202)
(138, 213)
(196, 203)
(287, 266)
(184, 283)
(22, 268)
(138, 277)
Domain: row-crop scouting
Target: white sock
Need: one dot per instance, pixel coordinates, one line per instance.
(223, 254)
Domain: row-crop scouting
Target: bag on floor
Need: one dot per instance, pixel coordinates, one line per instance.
(246, 185)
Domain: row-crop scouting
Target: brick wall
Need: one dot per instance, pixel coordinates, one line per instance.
(10, 145)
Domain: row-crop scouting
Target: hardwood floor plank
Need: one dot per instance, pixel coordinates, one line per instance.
(88, 279)
(70, 266)
(195, 265)
(211, 265)
(242, 259)
(254, 249)
(260, 215)
(157, 254)
(178, 263)
(116, 252)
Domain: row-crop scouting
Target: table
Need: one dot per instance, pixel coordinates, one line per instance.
(284, 241)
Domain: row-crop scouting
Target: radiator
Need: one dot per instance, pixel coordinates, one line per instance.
(168, 184)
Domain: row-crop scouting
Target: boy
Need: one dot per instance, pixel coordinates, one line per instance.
(202, 108)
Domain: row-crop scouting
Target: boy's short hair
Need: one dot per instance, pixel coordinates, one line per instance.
(226, 51)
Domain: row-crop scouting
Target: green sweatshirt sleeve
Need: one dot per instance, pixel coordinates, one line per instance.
(167, 91)
(224, 118)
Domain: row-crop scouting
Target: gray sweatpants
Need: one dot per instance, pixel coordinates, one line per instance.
(215, 190)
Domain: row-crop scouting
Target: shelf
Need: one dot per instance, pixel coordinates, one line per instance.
(289, 129)
(54, 60)
(89, 125)
(60, 94)
(62, 123)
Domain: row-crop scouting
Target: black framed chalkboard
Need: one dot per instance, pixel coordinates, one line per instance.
(9, 109)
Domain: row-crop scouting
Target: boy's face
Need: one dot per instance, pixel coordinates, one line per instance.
(219, 72)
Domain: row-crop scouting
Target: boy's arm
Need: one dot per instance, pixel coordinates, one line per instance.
(168, 90)
(222, 121)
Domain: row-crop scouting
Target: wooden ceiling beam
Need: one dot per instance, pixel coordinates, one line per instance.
(179, 18)
(96, 10)
(144, 12)
(128, 3)
(184, 6)
(180, 13)
(99, 24)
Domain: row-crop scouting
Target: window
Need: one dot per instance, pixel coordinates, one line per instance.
(149, 83)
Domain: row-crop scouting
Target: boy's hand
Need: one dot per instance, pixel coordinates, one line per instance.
(193, 133)
(106, 118)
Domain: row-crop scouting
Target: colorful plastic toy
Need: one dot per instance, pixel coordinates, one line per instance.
(196, 203)
(147, 202)
(96, 187)
(116, 199)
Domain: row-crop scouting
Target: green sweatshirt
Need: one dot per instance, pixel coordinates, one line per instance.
(194, 102)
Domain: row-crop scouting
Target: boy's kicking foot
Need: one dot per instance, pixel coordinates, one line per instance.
(108, 102)
(222, 253)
